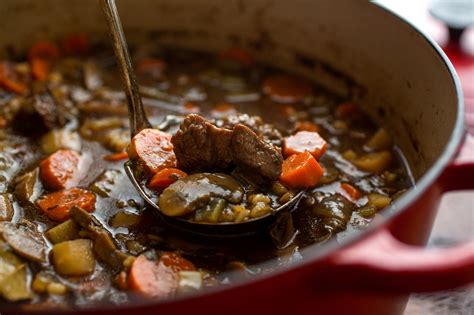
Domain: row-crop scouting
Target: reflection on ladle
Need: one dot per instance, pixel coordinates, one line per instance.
(139, 121)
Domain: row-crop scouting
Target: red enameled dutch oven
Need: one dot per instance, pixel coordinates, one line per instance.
(353, 47)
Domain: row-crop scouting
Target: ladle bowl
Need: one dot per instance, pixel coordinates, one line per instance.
(139, 121)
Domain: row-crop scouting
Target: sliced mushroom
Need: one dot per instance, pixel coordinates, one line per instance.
(25, 242)
(28, 187)
(103, 244)
(6, 208)
(334, 211)
(195, 191)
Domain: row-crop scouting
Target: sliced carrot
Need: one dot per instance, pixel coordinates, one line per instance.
(116, 157)
(153, 149)
(152, 278)
(307, 126)
(176, 262)
(304, 141)
(9, 80)
(284, 88)
(43, 50)
(301, 171)
(59, 170)
(346, 110)
(56, 205)
(153, 66)
(237, 54)
(39, 68)
(353, 192)
(165, 177)
(76, 44)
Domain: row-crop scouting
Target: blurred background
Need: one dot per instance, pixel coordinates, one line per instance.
(451, 24)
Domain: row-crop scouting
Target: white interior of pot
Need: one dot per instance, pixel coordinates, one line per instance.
(400, 79)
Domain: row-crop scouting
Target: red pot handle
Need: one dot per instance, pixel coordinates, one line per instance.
(383, 263)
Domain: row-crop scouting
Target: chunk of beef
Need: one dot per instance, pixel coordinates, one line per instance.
(199, 145)
(267, 131)
(254, 155)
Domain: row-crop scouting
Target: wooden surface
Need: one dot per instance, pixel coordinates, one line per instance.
(454, 224)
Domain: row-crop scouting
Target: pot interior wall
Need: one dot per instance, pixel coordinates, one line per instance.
(390, 68)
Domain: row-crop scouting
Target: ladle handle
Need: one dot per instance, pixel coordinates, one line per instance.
(138, 119)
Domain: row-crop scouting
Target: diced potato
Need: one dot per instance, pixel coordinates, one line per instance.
(92, 127)
(66, 231)
(377, 200)
(60, 139)
(9, 262)
(55, 288)
(125, 219)
(74, 258)
(40, 283)
(381, 140)
(374, 162)
(15, 287)
(189, 281)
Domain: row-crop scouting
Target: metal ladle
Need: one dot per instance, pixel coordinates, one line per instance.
(139, 121)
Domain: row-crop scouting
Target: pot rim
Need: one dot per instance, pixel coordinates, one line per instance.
(312, 255)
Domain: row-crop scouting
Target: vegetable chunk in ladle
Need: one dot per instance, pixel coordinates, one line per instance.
(222, 189)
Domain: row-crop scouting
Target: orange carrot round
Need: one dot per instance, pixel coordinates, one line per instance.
(153, 149)
(59, 170)
(301, 171)
(176, 262)
(165, 177)
(304, 141)
(152, 278)
(56, 205)
(284, 88)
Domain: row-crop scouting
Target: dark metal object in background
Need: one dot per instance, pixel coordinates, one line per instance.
(456, 14)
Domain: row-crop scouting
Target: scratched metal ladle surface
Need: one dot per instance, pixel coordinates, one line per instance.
(139, 121)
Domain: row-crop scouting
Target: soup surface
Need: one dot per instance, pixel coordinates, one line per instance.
(232, 141)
